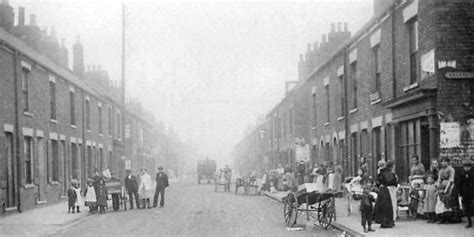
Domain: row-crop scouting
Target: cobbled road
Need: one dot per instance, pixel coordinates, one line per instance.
(194, 210)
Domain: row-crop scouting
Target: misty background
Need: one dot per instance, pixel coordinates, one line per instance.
(207, 70)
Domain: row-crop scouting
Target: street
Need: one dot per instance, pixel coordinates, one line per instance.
(195, 210)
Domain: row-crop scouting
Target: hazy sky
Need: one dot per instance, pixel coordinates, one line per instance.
(207, 69)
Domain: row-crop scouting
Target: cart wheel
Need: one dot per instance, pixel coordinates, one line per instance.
(290, 209)
(325, 213)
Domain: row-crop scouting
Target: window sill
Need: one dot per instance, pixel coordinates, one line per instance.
(53, 121)
(340, 118)
(375, 102)
(411, 87)
(100, 135)
(89, 131)
(28, 114)
(353, 110)
(313, 128)
(73, 126)
(29, 186)
(54, 183)
(326, 124)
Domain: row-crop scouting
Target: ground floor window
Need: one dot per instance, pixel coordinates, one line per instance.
(55, 161)
(28, 154)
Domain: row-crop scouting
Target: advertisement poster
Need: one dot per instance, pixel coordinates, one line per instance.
(457, 141)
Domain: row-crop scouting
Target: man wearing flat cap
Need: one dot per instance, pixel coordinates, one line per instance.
(466, 190)
(161, 184)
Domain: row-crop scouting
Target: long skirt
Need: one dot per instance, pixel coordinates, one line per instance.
(383, 208)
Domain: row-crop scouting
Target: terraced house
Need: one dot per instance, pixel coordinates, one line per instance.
(385, 93)
(58, 124)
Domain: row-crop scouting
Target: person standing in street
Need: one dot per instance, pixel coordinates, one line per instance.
(466, 190)
(161, 184)
(145, 190)
(131, 185)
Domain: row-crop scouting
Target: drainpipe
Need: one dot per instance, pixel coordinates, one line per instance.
(346, 115)
(17, 133)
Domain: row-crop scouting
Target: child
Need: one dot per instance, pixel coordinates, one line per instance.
(101, 196)
(366, 209)
(77, 189)
(72, 197)
(430, 199)
(414, 199)
(90, 195)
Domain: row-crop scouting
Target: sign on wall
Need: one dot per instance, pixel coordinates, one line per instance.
(457, 141)
(302, 153)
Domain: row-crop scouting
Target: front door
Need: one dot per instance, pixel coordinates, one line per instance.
(10, 171)
(41, 171)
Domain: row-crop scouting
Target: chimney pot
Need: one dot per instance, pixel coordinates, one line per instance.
(32, 20)
(339, 26)
(308, 47)
(346, 27)
(315, 46)
(333, 27)
(21, 16)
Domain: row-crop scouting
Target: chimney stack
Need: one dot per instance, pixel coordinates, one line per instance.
(308, 47)
(315, 46)
(7, 17)
(21, 16)
(346, 28)
(339, 26)
(78, 57)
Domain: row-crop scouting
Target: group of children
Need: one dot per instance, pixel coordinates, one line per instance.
(423, 200)
(95, 196)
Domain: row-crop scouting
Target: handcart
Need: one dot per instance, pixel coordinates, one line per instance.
(222, 179)
(247, 183)
(318, 206)
(117, 191)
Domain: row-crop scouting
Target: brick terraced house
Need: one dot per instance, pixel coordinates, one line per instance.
(402, 85)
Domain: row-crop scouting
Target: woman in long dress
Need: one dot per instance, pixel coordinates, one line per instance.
(386, 202)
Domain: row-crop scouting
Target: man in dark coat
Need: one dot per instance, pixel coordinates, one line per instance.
(466, 190)
(131, 185)
(161, 184)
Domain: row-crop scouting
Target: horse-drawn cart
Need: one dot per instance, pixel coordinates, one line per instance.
(318, 206)
(248, 183)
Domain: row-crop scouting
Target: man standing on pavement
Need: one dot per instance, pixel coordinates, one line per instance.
(466, 190)
(161, 184)
(131, 185)
(145, 189)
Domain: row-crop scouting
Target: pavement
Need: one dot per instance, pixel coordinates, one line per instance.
(40, 221)
(405, 226)
(190, 210)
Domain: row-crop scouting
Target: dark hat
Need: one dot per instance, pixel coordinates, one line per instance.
(467, 163)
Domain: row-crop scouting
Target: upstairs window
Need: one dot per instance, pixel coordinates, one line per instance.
(377, 67)
(354, 84)
(328, 104)
(341, 98)
(88, 115)
(99, 110)
(25, 89)
(52, 99)
(72, 101)
(413, 41)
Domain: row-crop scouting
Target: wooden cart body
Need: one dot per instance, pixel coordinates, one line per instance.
(248, 184)
(318, 206)
(114, 186)
(222, 179)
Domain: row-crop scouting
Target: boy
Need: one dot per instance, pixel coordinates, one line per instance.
(367, 208)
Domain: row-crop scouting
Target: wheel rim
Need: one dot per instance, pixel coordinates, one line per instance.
(291, 209)
(325, 214)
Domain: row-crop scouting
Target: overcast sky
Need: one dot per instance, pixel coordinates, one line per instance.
(207, 69)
